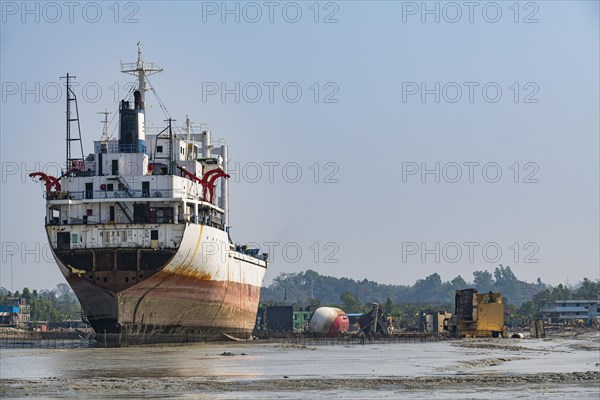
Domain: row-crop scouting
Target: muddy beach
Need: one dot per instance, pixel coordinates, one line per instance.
(498, 368)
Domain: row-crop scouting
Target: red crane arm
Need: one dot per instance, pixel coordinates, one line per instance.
(205, 180)
(212, 179)
(207, 175)
(190, 176)
(48, 180)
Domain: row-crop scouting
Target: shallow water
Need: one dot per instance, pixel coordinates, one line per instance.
(288, 371)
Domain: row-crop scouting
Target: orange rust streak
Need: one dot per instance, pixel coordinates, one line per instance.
(198, 242)
(189, 271)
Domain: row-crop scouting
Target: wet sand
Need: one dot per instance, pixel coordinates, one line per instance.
(477, 368)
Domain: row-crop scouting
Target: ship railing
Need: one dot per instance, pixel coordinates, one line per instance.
(122, 194)
(97, 221)
(129, 148)
(244, 249)
(83, 221)
(57, 195)
(52, 221)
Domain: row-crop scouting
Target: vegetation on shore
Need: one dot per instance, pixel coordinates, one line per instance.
(523, 300)
(57, 305)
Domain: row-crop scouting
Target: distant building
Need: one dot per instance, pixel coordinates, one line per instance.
(15, 312)
(555, 311)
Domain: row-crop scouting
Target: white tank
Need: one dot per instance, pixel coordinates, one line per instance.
(323, 319)
(206, 144)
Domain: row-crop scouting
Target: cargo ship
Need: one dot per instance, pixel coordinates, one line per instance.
(140, 230)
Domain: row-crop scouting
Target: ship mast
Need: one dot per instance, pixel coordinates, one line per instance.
(104, 122)
(141, 70)
(132, 121)
(188, 130)
(71, 161)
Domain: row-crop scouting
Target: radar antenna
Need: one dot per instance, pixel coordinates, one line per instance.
(140, 69)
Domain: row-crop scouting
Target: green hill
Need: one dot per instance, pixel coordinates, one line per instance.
(296, 288)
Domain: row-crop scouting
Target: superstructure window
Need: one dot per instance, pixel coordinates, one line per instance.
(159, 149)
(89, 190)
(145, 189)
(161, 215)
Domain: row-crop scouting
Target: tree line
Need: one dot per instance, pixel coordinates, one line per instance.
(57, 305)
(522, 299)
(309, 288)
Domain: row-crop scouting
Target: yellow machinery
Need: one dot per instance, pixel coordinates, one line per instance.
(478, 315)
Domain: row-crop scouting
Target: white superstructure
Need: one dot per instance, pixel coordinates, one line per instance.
(140, 228)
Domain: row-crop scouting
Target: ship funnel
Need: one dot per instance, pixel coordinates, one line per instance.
(138, 103)
(132, 137)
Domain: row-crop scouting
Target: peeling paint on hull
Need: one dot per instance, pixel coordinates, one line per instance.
(180, 305)
(193, 293)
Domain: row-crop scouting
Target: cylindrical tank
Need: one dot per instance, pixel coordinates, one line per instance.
(206, 144)
(329, 321)
(225, 187)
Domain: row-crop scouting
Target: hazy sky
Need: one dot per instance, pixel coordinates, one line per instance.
(378, 140)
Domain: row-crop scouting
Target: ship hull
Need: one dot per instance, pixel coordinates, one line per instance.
(205, 291)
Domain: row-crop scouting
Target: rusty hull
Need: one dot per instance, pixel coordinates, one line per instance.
(132, 293)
